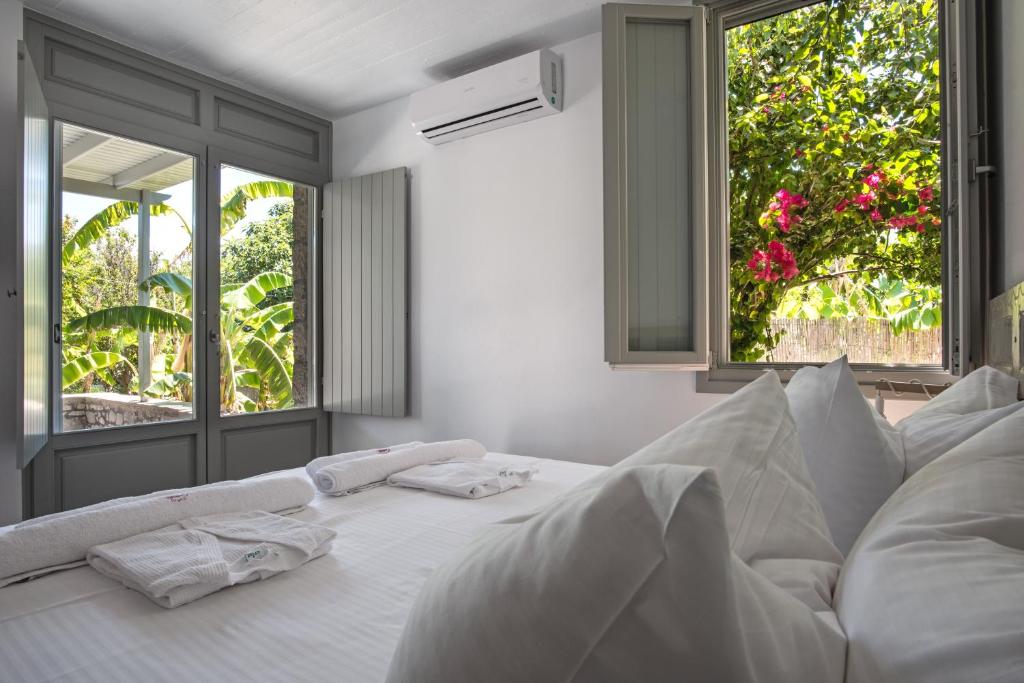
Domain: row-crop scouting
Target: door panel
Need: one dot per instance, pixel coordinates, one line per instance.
(263, 410)
(33, 247)
(97, 473)
(254, 450)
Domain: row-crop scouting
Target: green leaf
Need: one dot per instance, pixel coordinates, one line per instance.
(173, 283)
(255, 290)
(233, 205)
(90, 362)
(261, 357)
(113, 215)
(139, 318)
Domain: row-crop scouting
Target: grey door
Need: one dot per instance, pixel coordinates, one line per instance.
(263, 398)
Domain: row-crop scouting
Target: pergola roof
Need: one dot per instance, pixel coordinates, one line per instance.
(119, 163)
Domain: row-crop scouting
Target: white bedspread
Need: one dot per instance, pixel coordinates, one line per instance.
(337, 618)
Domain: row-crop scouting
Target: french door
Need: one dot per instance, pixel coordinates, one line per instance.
(262, 400)
(184, 316)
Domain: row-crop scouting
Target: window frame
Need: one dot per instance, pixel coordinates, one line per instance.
(964, 296)
(616, 189)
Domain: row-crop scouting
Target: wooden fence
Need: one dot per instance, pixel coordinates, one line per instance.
(864, 340)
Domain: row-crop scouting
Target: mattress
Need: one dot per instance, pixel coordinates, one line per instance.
(336, 618)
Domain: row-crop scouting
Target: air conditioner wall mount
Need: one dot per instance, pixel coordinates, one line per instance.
(518, 90)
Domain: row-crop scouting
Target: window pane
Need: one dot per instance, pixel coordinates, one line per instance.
(266, 335)
(126, 284)
(834, 206)
(659, 184)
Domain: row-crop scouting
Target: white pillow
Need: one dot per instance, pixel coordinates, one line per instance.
(628, 580)
(977, 401)
(933, 590)
(750, 440)
(856, 461)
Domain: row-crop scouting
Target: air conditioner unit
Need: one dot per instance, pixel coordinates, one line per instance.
(518, 90)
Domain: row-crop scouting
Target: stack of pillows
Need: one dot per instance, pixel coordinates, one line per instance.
(714, 553)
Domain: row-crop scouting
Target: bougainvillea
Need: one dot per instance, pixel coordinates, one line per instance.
(834, 158)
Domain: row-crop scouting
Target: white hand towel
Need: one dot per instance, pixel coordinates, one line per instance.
(314, 465)
(353, 475)
(195, 557)
(465, 478)
(39, 545)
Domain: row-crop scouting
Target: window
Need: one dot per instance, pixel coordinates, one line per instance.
(839, 217)
(126, 261)
(266, 340)
(834, 190)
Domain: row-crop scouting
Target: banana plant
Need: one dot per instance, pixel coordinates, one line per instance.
(255, 343)
(232, 210)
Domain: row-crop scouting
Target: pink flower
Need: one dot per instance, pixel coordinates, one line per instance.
(926, 194)
(841, 206)
(900, 222)
(864, 199)
(922, 209)
(874, 180)
(876, 215)
(798, 153)
(763, 263)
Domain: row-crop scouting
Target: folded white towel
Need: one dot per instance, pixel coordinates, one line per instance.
(314, 465)
(195, 557)
(40, 545)
(465, 478)
(351, 476)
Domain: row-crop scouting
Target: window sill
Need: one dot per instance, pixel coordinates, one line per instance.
(732, 378)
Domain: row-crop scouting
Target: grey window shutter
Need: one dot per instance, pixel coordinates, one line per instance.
(32, 289)
(655, 186)
(365, 294)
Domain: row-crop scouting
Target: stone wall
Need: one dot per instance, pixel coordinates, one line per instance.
(98, 410)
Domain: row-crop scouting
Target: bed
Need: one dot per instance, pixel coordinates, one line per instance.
(338, 617)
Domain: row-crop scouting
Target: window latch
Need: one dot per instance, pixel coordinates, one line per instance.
(976, 170)
(56, 333)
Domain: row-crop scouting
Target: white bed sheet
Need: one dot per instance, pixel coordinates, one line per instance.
(337, 618)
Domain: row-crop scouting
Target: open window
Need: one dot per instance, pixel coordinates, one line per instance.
(842, 216)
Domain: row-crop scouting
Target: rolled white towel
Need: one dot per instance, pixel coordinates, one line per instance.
(195, 557)
(465, 478)
(43, 544)
(314, 465)
(353, 475)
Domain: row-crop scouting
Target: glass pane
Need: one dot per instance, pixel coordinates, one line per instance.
(834, 208)
(266, 335)
(126, 281)
(659, 201)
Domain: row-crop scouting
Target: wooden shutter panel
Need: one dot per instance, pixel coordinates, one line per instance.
(33, 257)
(365, 287)
(655, 186)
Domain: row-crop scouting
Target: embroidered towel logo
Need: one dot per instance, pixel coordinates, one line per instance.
(178, 498)
(256, 554)
(383, 451)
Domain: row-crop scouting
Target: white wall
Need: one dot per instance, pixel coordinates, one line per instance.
(10, 33)
(1009, 148)
(507, 286)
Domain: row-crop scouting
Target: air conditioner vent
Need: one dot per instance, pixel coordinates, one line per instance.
(518, 90)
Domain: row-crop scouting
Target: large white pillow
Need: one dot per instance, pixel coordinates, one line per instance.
(977, 401)
(933, 591)
(751, 442)
(628, 580)
(856, 461)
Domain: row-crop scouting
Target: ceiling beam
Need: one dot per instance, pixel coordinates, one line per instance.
(146, 169)
(86, 187)
(82, 146)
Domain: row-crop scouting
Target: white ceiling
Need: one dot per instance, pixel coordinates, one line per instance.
(331, 57)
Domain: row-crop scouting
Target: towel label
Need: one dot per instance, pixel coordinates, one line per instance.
(256, 554)
(178, 498)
